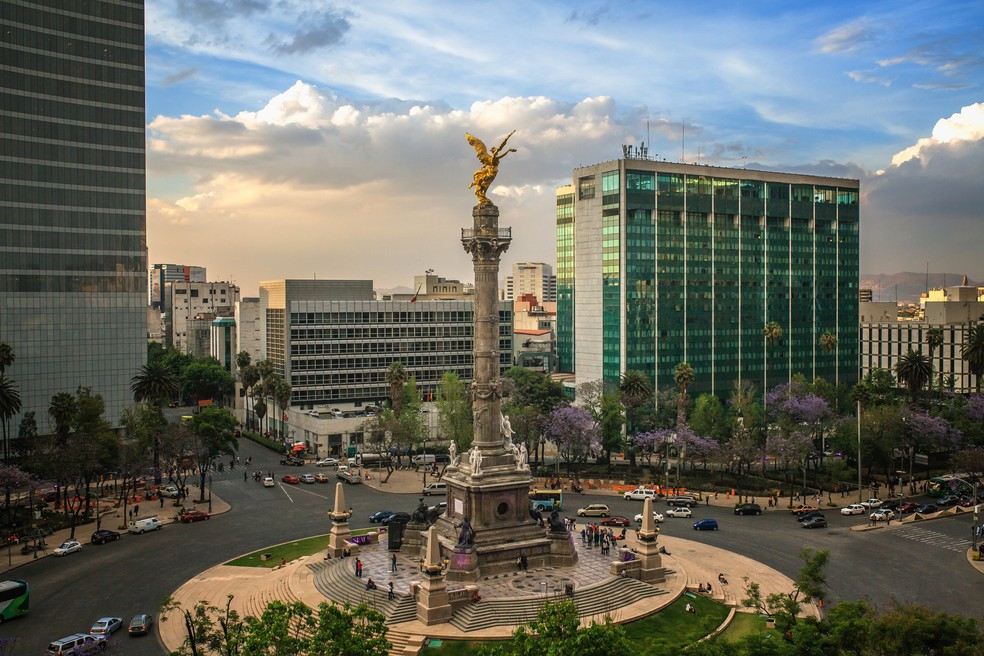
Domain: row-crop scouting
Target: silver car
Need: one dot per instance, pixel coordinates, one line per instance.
(594, 510)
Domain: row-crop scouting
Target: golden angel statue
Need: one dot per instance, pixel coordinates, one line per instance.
(490, 165)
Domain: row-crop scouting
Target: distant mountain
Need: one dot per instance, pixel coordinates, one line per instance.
(395, 290)
(907, 286)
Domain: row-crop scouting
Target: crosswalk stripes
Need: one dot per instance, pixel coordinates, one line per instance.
(934, 538)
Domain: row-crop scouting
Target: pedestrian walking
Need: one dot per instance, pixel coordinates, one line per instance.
(162, 500)
(245, 476)
(136, 511)
(358, 568)
(389, 595)
(392, 565)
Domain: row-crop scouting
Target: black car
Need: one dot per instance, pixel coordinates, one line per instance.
(927, 508)
(292, 462)
(103, 536)
(891, 504)
(817, 521)
(380, 515)
(399, 515)
(948, 500)
(748, 509)
(810, 515)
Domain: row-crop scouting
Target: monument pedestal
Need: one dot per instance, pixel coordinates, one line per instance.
(432, 600)
(413, 540)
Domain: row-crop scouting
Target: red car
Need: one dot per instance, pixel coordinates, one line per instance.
(290, 478)
(908, 507)
(193, 516)
(615, 520)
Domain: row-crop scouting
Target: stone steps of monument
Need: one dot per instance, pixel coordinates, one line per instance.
(596, 600)
(399, 643)
(337, 582)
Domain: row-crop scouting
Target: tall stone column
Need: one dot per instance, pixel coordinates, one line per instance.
(486, 243)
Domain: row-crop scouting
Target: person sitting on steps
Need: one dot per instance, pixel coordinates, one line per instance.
(370, 584)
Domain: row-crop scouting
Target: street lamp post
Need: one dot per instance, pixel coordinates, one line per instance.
(210, 494)
(859, 451)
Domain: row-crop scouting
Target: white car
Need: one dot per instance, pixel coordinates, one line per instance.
(594, 510)
(853, 509)
(656, 517)
(327, 462)
(170, 491)
(269, 482)
(881, 515)
(681, 511)
(105, 626)
(67, 547)
(871, 503)
(641, 494)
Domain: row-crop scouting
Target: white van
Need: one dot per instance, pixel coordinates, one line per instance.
(424, 459)
(144, 524)
(435, 488)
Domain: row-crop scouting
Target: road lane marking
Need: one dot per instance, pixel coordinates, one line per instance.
(286, 492)
(933, 538)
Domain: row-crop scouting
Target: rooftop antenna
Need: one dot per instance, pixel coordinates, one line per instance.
(648, 140)
(927, 279)
(683, 142)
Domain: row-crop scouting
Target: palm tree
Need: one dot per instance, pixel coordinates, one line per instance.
(10, 405)
(772, 333)
(62, 411)
(155, 384)
(635, 390)
(282, 394)
(914, 370)
(683, 376)
(972, 352)
(250, 376)
(828, 341)
(6, 356)
(934, 338)
(259, 409)
(396, 377)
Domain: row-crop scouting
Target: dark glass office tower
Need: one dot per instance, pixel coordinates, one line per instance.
(674, 262)
(73, 262)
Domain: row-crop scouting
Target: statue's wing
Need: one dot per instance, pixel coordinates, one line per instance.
(479, 146)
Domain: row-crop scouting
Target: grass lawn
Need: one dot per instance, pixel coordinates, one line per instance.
(742, 625)
(671, 627)
(674, 626)
(288, 551)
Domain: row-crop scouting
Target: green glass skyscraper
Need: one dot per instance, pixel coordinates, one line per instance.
(73, 245)
(660, 262)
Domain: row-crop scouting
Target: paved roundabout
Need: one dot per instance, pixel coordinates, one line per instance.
(507, 600)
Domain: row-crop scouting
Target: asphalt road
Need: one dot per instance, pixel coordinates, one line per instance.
(136, 573)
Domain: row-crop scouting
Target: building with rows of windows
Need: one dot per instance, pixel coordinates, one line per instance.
(334, 343)
(73, 253)
(660, 262)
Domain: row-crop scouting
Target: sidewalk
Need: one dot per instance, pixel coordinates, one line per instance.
(112, 519)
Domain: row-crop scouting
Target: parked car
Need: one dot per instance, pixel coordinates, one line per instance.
(871, 504)
(656, 517)
(926, 509)
(817, 521)
(809, 515)
(327, 462)
(307, 478)
(290, 478)
(140, 624)
(169, 491)
(881, 515)
(853, 509)
(106, 626)
(269, 482)
(594, 510)
(193, 516)
(679, 512)
(748, 509)
(67, 547)
(616, 520)
(321, 478)
(641, 494)
(380, 515)
(103, 536)
(397, 516)
(707, 524)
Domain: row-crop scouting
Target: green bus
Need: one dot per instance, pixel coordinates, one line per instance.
(15, 599)
(941, 486)
(546, 499)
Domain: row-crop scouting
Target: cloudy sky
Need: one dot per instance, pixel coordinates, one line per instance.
(301, 138)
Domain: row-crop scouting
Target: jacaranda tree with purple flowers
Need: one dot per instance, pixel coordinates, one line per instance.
(576, 434)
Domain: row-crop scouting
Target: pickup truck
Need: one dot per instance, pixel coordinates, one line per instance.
(350, 476)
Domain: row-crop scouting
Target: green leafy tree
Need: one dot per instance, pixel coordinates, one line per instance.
(683, 376)
(282, 394)
(972, 352)
(146, 424)
(709, 417)
(611, 421)
(557, 631)
(92, 448)
(206, 379)
(62, 410)
(914, 370)
(454, 417)
(6, 356)
(537, 389)
(27, 434)
(213, 430)
(808, 586)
